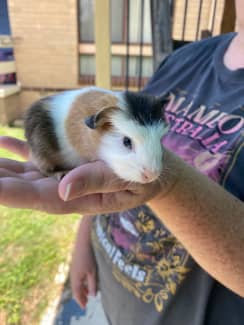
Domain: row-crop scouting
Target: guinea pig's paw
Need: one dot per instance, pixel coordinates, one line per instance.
(59, 175)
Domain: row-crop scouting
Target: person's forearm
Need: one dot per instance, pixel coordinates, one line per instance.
(207, 220)
(83, 265)
(83, 236)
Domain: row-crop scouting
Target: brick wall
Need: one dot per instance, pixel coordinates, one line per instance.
(45, 42)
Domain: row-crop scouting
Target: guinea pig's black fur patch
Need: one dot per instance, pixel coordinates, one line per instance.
(144, 108)
(39, 125)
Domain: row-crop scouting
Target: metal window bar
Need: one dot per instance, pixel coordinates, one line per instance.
(199, 19)
(184, 20)
(127, 58)
(161, 23)
(214, 16)
(141, 45)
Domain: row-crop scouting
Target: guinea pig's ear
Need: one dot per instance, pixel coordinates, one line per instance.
(90, 121)
(100, 119)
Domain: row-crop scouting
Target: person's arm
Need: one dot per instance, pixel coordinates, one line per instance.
(207, 219)
(83, 266)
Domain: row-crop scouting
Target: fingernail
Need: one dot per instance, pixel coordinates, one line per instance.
(67, 192)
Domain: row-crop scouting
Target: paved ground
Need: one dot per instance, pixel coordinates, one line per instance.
(70, 313)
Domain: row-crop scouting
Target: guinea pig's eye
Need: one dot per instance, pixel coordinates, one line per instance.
(127, 142)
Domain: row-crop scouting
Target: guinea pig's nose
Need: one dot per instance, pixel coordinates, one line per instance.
(147, 175)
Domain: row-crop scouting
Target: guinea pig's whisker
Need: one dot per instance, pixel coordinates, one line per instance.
(163, 173)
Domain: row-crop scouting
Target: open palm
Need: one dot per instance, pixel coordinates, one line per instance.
(23, 186)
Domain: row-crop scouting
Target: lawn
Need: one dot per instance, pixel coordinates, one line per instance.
(32, 246)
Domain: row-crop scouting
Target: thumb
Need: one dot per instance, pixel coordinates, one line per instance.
(92, 284)
(93, 177)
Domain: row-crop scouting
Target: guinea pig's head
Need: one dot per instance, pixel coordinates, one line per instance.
(131, 142)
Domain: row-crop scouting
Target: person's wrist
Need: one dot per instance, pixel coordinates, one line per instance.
(172, 169)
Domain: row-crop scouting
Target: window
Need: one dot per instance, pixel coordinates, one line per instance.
(191, 20)
(140, 51)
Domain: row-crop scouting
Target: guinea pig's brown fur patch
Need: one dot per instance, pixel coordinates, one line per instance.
(82, 138)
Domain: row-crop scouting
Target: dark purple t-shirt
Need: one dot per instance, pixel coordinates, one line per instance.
(143, 267)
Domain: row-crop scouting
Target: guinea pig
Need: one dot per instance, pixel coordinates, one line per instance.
(124, 129)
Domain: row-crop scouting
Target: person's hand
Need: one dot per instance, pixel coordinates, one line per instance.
(88, 189)
(99, 190)
(83, 274)
(23, 186)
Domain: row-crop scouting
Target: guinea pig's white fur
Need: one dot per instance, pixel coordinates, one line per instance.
(79, 144)
(146, 154)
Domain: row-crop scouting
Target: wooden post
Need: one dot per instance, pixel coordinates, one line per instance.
(229, 17)
(161, 30)
(102, 41)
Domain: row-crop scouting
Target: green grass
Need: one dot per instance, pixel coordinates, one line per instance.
(32, 245)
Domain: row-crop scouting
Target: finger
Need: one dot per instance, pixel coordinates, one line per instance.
(42, 195)
(79, 289)
(18, 193)
(31, 175)
(16, 166)
(17, 146)
(104, 202)
(80, 293)
(82, 296)
(94, 177)
(98, 203)
(92, 284)
(38, 194)
(50, 201)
